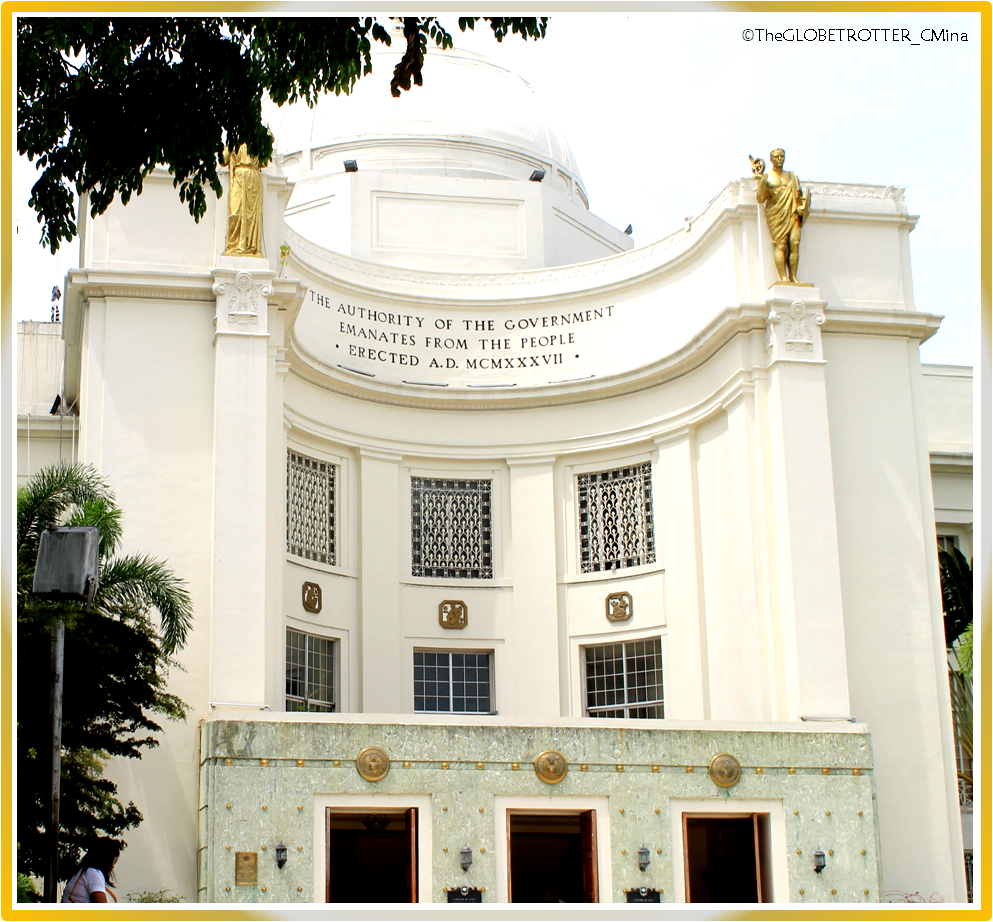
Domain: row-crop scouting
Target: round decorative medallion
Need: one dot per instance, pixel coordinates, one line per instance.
(725, 770)
(551, 766)
(373, 764)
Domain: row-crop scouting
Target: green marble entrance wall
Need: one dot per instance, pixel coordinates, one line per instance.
(263, 782)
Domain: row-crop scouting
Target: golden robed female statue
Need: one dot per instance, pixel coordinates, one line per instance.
(244, 236)
(786, 209)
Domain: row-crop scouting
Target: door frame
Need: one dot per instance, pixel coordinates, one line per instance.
(369, 803)
(551, 805)
(728, 809)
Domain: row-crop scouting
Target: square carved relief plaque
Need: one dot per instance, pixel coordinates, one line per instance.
(312, 598)
(453, 614)
(620, 606)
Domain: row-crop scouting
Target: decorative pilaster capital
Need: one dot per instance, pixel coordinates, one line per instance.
(794, 333)
(242, 301)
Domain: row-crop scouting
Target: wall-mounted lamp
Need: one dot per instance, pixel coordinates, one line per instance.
(537, 176)
(465, 856)
(280, 855)
(351, 166)
(643, 859)
(629, 230)
(819, 861)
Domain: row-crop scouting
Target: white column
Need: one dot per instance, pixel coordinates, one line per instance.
(380, 514)
(744, 518)
(801, 482)
(238, 584)
(534, 636)
(677, 530)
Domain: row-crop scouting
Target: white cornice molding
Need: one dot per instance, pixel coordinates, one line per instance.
(916, 325)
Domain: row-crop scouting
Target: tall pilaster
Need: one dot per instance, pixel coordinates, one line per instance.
(238, 579)
(535, 642)
(807, 576)
(379, 582)
(687, 693)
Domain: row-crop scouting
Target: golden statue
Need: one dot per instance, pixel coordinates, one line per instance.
(786, 209)
(244, 236)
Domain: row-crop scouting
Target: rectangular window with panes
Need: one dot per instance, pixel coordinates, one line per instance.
(451, 528)
(624, 679)
(453, 682)
(615, 519)
(311, 672)
(310, 508)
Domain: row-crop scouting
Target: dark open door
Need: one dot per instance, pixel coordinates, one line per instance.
(410, 827)
(587, 832)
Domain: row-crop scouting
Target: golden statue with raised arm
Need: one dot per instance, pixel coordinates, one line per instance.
(244, 232)
(786, 209)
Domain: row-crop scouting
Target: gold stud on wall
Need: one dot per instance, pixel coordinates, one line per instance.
(406, 765)
(299, 807)
(444, 765)
(758, 771)
(655, 769)
(689, 769)
(516, 766)
(856, 771)
(228, 806)
(620, 767)
(825, 771)
(228, 762)
(337, 763)
(584, 767)
(479, 766)
(299, 763)
(792, 771)
(263, 762)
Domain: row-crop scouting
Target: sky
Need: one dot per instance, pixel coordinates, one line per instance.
(661, 110)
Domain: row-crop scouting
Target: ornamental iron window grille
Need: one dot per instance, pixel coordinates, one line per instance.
(451, 530)
(310, 672)
(310, 508)
(615, 519)
(452, 682)
(625, 679)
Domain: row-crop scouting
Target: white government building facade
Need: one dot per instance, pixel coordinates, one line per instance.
(610, 570)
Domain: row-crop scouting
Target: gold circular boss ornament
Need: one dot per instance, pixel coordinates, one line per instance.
(725, 770)
(551, 766)
(373, 764)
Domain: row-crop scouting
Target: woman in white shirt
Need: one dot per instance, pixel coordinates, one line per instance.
(92, 879)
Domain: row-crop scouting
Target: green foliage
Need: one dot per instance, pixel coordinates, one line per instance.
(153, 896)
(116, 663)
(101, 102)
(963, 652)
(956, 593)
(26, 892)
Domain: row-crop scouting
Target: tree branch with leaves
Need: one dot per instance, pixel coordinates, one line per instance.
(102, 102)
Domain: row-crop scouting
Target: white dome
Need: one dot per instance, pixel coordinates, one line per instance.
(471, 118)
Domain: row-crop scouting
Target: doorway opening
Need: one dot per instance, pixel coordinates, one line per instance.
(727, 858)
(372, 857)
(551, 857)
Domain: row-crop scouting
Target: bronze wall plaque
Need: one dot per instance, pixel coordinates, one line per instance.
(620, 606)
(246, 869)
(725, 770)
(551, 766)
(373, 764)
(453, 614)
(312, 598)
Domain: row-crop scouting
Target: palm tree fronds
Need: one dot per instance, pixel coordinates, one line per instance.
(50, 495)
(130, 585)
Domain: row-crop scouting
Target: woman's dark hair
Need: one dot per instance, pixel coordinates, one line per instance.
(101, 856)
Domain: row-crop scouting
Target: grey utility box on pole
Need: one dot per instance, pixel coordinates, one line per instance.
(68, 563)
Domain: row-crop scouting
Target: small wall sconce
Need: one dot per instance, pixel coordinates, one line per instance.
(465, 856)
(820, 862)
(643, 858)
(280, 855)
(351, 166)
(537, 176)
